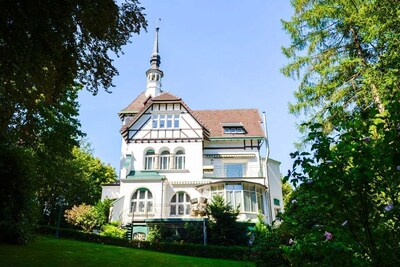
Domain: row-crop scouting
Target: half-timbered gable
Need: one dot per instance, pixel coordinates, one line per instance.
(165, 118)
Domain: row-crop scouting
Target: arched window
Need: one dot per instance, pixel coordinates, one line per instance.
(142, 201)
(180, 160)
(180, 204)
(165, 158)
(150, 160)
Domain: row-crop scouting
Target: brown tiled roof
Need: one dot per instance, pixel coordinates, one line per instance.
(249, 118)
(136, 104)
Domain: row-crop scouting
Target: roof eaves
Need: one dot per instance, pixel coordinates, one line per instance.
(230, 138)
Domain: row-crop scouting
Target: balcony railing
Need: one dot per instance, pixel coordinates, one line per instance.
(223, 172)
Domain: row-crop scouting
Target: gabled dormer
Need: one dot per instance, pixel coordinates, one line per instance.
(165, 118)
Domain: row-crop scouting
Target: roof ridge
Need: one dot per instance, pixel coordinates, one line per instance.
(166, 94)
(228, 109)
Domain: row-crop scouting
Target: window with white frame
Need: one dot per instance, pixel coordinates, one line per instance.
(150, 160)
(180, 160)
(260, 200)
(234, 169)
(234, 194)
(165, 121)
(165, 158)
(248, 196)
(217, 190)
(142, 201)
(180, 204)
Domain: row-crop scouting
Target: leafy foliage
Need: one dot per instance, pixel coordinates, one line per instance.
(48, 52)
(18, 208)
(223, 226)
(194, 232)
(82, 169)
(113, 230)
(84, 216)
(287, 190)
(154, 234)
(162, 233)
(345, 209)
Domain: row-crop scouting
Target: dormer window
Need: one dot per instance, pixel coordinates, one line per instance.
(233, 128)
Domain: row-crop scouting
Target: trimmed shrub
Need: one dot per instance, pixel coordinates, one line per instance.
(195, 250)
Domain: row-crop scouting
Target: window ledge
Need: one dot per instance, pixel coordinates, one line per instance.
(141, 214)
(173, 171)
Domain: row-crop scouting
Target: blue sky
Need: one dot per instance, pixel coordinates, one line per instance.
(215, 55)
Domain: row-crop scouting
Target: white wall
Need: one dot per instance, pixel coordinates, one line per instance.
(110, 192)
(275, 185)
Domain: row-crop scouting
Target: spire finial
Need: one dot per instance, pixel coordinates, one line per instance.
(158, 24)
(154, 74)
(155, 48)
(155, 57)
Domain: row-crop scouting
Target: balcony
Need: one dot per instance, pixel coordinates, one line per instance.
(233, 171)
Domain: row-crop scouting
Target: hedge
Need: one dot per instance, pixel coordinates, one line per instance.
(195, 250)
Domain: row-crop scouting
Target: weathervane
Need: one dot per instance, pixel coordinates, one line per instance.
(158, 23)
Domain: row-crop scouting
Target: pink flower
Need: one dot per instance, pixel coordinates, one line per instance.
(291, 241)
(366, 139)
(389, 207)
(328, 235)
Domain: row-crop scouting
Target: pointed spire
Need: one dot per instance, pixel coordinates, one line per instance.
(154, 74)
(155, 60)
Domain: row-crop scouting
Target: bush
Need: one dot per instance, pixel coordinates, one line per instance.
(163, 233)
(268, 244)
(103, 210)
(194, 250)
(113, 230)
(84, 216)
(194, 232)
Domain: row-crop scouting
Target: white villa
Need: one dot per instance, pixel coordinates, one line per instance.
(174, 159)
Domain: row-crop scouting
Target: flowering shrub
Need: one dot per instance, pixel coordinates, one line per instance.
(84, 216)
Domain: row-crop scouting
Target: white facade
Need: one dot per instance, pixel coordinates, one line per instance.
(173, 160)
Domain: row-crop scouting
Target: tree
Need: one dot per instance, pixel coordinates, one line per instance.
(48, 51)
(32, 163)
(17, 227)
(287, 191)
(224, 228)
(344, 52)
(78, 180)
(348, 176)
(47, 47)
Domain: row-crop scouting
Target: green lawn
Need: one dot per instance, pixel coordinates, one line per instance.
(48, 251)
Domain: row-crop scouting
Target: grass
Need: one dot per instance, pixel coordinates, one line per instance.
(49, 251)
